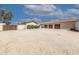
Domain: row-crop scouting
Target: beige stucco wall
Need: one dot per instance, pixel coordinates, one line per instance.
(67, 25)
(63, 25)
(42, 26)
(20, 27)
(1, 27)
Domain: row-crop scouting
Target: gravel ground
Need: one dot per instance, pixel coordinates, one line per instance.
(39, 42)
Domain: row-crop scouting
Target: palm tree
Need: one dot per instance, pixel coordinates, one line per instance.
(5, 16)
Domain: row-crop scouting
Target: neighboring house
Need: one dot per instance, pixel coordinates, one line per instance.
(25, 24)
(20, 27)
(61, 24)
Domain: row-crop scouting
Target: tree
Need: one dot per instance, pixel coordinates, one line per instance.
(5, 16)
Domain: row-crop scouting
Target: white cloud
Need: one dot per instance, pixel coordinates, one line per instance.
(44, 8)
(41, 10)
(72, 13)
(29, 19)
(51, 11)
(77, 5)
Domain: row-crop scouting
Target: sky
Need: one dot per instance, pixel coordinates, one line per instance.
(41, 12)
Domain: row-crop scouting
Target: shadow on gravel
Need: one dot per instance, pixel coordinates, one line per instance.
(74, 30)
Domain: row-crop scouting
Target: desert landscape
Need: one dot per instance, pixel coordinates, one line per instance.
(39, 42)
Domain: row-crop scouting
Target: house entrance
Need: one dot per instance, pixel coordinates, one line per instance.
(45, 26)
(50, 26)
(57, 26)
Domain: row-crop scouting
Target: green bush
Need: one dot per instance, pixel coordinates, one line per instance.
(32, 26)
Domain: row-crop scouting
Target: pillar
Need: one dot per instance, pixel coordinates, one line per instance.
(53, 26)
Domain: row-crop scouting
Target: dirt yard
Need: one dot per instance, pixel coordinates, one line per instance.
(39, 41)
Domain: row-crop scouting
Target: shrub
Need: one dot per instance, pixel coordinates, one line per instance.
(32, 26)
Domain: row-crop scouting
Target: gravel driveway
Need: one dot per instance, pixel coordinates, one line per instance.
(39, 41)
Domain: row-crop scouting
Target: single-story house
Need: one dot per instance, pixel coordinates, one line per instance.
(61, 24)
(25, 24)
(58, 24)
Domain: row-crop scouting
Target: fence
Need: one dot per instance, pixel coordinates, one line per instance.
(10, 27)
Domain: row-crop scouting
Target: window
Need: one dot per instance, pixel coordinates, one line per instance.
(45, 26)
(50, 26)
(57, 26)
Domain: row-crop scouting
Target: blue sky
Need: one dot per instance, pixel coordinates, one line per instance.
(24, 12)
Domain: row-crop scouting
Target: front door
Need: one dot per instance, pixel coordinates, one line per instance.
(45, 26)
